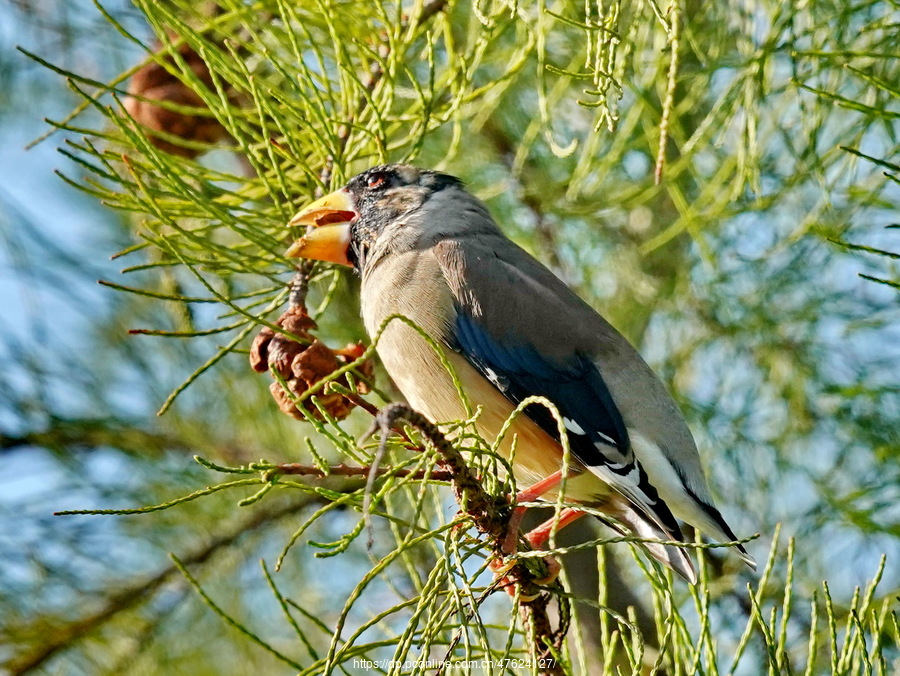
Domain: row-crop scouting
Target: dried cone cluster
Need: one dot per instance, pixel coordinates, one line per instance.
(302, 365)
(153, 83)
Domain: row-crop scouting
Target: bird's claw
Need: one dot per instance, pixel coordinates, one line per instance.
(553, 570)
(501, 567)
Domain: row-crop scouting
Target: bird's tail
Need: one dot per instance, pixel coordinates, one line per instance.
(631, 521)
(711, 522)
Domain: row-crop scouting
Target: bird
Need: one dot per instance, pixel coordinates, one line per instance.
(427, 249)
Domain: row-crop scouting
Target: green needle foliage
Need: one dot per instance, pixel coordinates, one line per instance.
(716, 177)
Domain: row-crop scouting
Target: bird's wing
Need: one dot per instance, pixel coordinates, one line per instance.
(486, 287)
(629, 518)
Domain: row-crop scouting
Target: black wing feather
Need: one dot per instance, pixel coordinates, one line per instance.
(577, 389)
(579, 393)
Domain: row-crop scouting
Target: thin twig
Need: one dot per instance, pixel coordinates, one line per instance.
(348, 470)
(669, 103)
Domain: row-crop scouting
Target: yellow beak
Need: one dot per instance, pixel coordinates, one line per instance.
(329, 241)
(337, 207)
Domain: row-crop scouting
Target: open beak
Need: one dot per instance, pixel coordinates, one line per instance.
(329, 238)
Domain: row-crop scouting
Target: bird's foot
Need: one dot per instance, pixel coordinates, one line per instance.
(500, 566)
(504, 563)
(505, 560)
(511, 575)
(553, 569)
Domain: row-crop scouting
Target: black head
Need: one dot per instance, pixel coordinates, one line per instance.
(383, 196)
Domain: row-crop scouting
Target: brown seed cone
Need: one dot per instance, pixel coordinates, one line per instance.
(303, 364)
(154, 83)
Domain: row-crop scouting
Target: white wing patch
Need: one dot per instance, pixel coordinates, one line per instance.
(629, 485)
(607, 439)
(496, 380)
(573, 426)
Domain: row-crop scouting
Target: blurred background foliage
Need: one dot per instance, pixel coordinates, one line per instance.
(720, 180)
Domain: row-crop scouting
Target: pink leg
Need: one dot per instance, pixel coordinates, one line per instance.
(537, 537)
(542, 487)
(530, 494)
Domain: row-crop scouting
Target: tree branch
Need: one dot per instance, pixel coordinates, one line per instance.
(490, 514)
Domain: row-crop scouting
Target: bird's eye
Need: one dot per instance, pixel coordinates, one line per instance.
(376, 180)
